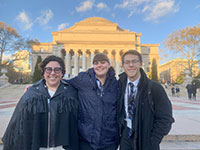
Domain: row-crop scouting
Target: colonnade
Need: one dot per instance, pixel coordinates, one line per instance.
(77, 60)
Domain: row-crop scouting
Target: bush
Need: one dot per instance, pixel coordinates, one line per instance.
(37, 75)
(197, 82)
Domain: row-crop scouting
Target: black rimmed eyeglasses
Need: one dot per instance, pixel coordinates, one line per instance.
(57, 70)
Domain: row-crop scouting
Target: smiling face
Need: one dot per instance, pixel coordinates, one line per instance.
(101, 68)
(53, 74)
(131, 66)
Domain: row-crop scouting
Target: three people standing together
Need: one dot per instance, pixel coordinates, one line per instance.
(134, 112)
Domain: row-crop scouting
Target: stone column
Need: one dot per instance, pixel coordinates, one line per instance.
(57, 50)
(118, 60)
(110, 56)
(33, 59)
(84, 66)
(68, 63)
(138, 45)
(76, 63)
(91, 58)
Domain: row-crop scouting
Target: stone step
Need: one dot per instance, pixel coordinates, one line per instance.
(180, 145)
(183, 91)
(191, 138)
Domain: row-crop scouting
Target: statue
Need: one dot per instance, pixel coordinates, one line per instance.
(3, 78)
(188, 78)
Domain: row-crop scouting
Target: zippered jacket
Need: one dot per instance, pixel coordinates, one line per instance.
(97, 111)
(35, 123)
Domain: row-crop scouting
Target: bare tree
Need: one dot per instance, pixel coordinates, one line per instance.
(8, 38)
(186, 44)
(11, 41)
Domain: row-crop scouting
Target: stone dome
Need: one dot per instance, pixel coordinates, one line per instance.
(95, 21)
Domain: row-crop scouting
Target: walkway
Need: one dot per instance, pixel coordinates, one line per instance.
(186, 114)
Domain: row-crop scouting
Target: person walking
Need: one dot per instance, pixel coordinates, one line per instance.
(189, 90)
(97, 112)
(194, 90)
(177, 91)
(145, 112)
(173, 90)
(45, 117)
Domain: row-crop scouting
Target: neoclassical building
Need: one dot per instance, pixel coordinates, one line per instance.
(78, 44)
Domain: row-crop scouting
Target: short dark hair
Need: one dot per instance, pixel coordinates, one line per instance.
(52, 58)
(100, 57)
(132, 52)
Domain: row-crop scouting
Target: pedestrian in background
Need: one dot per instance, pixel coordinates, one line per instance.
(189, 90)
(45, 117)
(173, 90)
(194, 90)
(177, 91)
(145, 112)
(97, 112)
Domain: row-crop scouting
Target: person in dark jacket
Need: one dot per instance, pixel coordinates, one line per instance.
(189, 90)
(46, 115)
(144, 119)
(194, 90)
(97, 111)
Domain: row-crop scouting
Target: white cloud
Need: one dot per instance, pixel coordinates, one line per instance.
(45, 17)
(153, 10)
(102, 6)
(24, 20)
(123, 5)
(62, 26)
(160, 9)
(85, 6)
(197, 7)
(131, 3)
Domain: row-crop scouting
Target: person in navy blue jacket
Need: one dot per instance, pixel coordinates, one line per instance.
(97, 105)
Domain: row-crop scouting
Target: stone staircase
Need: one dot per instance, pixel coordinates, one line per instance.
(182, 93)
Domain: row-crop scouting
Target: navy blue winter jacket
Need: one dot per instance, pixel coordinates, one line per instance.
(97, 110)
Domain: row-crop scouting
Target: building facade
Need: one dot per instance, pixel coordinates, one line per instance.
(78, 44)
(171, 70)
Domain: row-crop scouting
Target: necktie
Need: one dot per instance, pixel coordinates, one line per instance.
(131, 105)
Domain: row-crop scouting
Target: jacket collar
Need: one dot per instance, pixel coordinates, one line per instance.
(110, 74)
(143, 78)
(41, 87)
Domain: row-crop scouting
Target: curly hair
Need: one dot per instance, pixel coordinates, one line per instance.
(52, 58)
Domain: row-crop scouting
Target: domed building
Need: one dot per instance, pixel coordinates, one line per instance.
(78, 44)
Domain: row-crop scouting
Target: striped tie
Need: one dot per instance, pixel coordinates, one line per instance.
(131, 105)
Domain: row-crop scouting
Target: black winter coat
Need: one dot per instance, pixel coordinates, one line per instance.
(150, 125)
(33, 116)
(97, 120)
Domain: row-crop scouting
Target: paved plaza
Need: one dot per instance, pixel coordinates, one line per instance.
(185, 133)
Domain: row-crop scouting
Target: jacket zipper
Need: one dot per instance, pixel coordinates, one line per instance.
(48, 137)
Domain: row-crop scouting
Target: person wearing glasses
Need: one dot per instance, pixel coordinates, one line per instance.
(144, 108)
(45, 117)
(97, 112)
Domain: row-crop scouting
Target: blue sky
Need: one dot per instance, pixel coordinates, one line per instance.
(155, 19)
